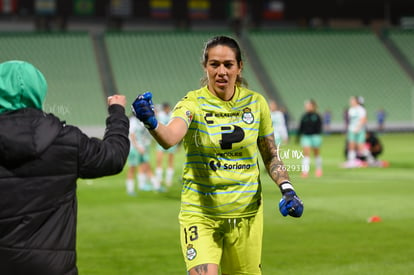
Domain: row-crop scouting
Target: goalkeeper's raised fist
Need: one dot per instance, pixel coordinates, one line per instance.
(290, 204)
(143, 109)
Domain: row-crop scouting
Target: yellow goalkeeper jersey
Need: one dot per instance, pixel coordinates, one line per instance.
(221, 173)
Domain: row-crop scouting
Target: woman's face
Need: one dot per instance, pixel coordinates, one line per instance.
(353, 101)
(273, 106)
(309, 106)
(222, 70)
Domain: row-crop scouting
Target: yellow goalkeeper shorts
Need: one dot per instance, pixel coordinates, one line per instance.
(235, 244)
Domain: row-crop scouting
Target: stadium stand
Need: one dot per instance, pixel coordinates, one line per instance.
(330, 66)
(166, 63)
(326, 65)
(69, 65)
(404, 39)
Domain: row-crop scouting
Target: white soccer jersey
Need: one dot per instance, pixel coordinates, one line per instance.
(279, 125)
(355, 115)
(163, 117)
(142, 137)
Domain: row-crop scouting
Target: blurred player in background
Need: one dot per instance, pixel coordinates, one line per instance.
(286, 116)
(381, 115)
(223, 125)
(41, 159)
(375, 148)
(345, 117)
(138, 159)
(310, 134)
(357, 116)
(164, 116)
(279, 124)
(373, 144)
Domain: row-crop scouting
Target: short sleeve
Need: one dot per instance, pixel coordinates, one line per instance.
(185, 109)
(363, 112)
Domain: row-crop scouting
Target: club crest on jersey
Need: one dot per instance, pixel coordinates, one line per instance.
(191, 252)
(189, 116)
(247, 115)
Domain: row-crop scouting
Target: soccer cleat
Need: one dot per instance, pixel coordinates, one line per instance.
(304, 174)
(318, 173)
(384, 163)
(349, 164)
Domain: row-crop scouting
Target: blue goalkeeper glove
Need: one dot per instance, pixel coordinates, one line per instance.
(143, 109)
(290, 204)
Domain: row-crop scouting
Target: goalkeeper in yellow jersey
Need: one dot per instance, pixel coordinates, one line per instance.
(223, 126)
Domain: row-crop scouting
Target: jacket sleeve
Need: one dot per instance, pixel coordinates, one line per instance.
(105, 157)
(300, 128)
(319, 126)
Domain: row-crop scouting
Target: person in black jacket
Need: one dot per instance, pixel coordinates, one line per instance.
(40, 160)
(310, 134)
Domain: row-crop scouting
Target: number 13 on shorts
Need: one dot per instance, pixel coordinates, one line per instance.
(190, 234)
(189, 244)
(199, 242)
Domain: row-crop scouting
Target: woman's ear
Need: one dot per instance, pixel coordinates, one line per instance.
(240, 67)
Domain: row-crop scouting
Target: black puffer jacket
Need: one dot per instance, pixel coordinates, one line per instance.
(40, 161)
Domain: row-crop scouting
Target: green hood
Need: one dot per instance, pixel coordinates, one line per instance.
(21, 86)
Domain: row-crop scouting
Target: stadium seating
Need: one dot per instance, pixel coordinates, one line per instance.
(166, 63)
(330, 66)
(326, 65)
(405, 42)
(68, 63)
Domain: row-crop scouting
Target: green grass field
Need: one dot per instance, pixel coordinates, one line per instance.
(118, 234)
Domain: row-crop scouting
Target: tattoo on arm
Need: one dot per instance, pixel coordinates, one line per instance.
(201, 269)
(270, 155)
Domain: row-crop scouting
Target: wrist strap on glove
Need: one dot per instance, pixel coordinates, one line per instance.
(286, 186)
